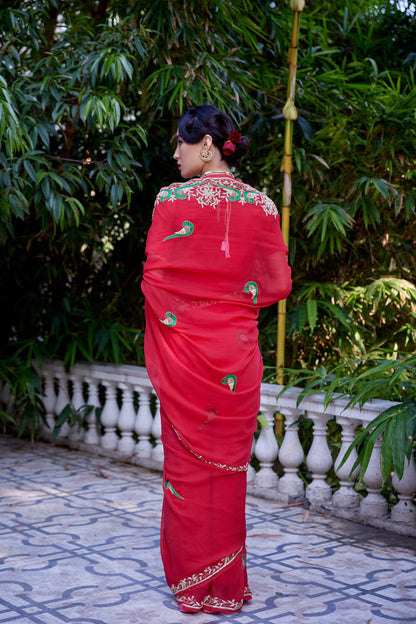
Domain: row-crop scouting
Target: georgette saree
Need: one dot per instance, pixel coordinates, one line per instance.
(215, 255)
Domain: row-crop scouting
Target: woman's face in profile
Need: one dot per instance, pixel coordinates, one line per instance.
(187, 157)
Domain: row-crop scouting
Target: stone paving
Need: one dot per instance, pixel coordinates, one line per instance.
(79, 544)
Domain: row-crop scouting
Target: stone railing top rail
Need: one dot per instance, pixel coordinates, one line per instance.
(336, 407)
(129, 373)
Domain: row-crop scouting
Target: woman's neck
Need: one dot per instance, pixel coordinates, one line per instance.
(216, 171)
(216, 165)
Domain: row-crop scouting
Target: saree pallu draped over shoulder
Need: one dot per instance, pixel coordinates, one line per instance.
(215, 255)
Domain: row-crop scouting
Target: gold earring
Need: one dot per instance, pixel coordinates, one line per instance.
(205, 154)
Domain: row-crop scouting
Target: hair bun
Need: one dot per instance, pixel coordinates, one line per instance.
(207, 119)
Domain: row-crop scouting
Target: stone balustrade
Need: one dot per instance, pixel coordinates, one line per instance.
(130, 431)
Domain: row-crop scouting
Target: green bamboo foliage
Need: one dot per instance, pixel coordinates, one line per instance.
(290, 114)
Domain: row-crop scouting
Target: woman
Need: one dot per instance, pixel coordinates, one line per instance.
(215, 255)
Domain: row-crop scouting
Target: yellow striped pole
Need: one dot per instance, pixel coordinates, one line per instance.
(290, 114)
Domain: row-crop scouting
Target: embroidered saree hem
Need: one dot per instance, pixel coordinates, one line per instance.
(203, 517)
(214, 590)
(210, 604)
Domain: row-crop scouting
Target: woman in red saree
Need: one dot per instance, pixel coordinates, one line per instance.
(215, 255)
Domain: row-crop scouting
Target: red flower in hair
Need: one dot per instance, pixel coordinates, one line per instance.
(229, 145)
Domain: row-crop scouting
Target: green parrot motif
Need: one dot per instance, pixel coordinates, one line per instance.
(230, 381)
(186, 230)
(170, 320)
(168, 486)
(252, 288)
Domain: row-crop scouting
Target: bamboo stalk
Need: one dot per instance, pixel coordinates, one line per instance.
(290, 114)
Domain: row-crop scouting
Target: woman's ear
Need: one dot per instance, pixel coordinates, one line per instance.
(207, 141)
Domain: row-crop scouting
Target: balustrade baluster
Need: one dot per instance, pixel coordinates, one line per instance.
(91, 436)
(109, 416)
(75, 433)
(404, 511)
(49, 402)
(291, 456)
(126, 420)
(251, 473)
(143, 425)
(62, 401)
(373, 505)
(319, 461)
(157, 451)
(346, 497)
(266, 450)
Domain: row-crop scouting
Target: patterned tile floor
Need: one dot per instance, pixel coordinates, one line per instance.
(79, 545)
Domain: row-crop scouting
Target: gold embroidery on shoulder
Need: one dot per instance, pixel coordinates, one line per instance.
(211, 191)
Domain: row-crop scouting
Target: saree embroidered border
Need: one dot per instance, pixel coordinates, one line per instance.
(243, 468)
(214, 603)
(208, 573)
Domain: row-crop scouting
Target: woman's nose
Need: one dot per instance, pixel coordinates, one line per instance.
(176, 154)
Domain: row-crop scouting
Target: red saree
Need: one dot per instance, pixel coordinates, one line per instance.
(215, 255)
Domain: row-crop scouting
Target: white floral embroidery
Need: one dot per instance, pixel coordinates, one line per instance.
(181, 192)
(201, 577)
(209, 601)
(214, 602)
(209, 195)
(190, 601)
(163, 194)
(211, 191)
(251, 196)
(268, 206)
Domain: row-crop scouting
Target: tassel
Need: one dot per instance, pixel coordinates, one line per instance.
(225, 245)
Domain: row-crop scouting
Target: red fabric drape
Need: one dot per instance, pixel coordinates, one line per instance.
(215, 255)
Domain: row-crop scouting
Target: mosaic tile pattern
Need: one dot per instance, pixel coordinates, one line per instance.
(79, 544)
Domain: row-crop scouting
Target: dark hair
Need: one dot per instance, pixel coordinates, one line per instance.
(207, 119)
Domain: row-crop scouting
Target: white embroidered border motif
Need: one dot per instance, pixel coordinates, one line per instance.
(210, 601)
(214, 602)
(200, 577)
